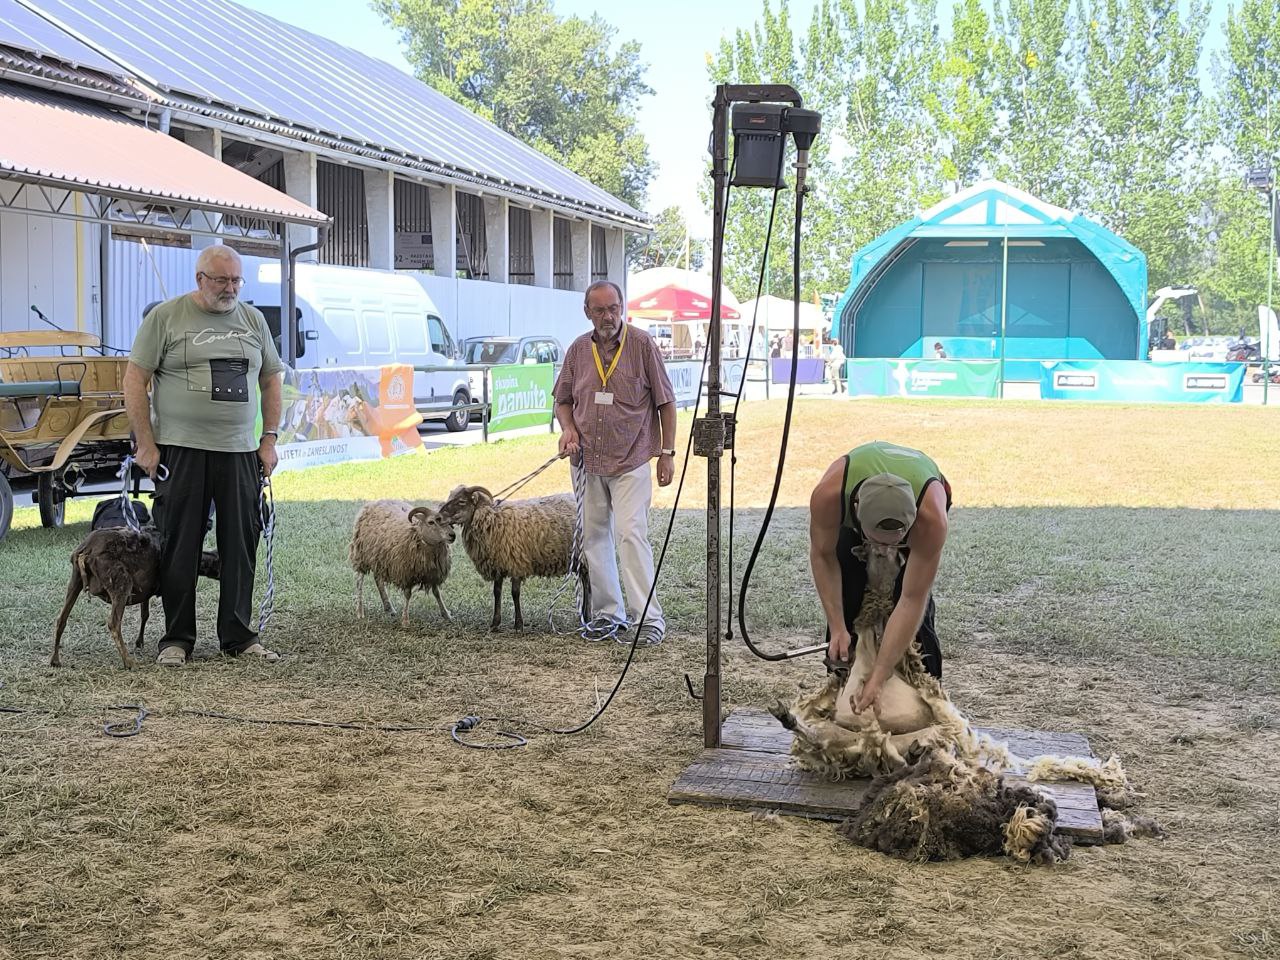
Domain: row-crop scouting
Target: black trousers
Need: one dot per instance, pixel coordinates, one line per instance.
(230, 481)
(853, 580)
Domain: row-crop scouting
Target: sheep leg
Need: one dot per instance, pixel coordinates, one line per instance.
(497, 604)
(142, 627)
(382, 592)
(404, 616)
(74, 587)
(515, 598)
(114, 620)
(359, 596)
(444, 611)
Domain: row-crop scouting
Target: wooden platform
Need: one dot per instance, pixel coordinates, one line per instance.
(752, 770)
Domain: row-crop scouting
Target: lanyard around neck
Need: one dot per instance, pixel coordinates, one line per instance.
(595, 352)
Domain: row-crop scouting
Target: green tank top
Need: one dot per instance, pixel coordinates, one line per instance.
(881, 457)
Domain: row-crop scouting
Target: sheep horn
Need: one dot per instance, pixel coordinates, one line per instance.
(416, 511)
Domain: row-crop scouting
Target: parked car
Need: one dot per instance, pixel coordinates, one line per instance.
(496, 350)
(492, 351)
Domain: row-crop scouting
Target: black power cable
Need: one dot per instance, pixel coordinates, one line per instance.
(782, 448)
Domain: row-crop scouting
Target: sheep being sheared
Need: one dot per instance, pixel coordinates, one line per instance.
(517, 539)
(122, 567)
(940, 791)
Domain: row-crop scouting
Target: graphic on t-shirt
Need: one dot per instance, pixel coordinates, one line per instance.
(216, 363)
(230, 379)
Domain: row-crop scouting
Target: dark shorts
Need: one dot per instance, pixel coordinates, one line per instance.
(853, 579)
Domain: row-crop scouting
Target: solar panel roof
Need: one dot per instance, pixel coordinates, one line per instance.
(21, 28)
(224, 54)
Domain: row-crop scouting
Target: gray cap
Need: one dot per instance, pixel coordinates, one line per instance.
(886, 505)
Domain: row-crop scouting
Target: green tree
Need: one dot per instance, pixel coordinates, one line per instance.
(551, 81)
(1036, 98)
(669, 245)
(1247, 108)
(961, 99)
(1141, 116)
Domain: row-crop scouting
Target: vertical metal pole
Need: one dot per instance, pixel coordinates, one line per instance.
(719, 178)
(484, 416)
(1271, 275)
(1004, 307)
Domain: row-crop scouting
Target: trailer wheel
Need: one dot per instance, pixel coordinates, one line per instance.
(6, 505)
(51, 497)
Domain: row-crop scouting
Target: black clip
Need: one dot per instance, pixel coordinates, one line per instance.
(689, 683)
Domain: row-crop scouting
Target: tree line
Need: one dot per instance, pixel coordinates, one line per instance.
(1097, 106)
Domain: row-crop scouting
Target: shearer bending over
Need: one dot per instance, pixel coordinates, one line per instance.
(888, 498)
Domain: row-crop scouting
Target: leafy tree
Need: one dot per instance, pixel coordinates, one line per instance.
(1247, 110)
(961, 99)
(551, 81)
(669, 245)
(1036, 97)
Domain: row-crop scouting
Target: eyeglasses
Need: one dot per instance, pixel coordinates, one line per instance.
(223, 281)
(599, 313)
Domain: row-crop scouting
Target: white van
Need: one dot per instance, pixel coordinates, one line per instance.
(351, 317)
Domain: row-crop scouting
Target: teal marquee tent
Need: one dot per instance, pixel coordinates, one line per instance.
(995, 273)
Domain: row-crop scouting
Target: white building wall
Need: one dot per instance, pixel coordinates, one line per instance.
(52, 264)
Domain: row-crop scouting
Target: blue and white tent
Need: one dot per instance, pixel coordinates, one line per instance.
(1073, 290)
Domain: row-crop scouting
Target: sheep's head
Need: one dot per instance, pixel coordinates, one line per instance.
(462, 503)
(431, 526)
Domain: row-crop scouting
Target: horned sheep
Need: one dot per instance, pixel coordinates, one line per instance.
(516, 540)
(401, 545)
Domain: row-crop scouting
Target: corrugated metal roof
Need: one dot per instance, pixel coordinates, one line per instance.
(225, 54)
(65, 142)
(21, 28)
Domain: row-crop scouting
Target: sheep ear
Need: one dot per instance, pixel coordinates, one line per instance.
(481, 495)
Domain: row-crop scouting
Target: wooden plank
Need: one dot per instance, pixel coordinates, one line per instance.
(753, 770)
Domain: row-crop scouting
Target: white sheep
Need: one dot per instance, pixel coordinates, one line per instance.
(403, 545)
(516, 539)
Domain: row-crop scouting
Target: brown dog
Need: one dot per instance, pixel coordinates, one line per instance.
(122, 568)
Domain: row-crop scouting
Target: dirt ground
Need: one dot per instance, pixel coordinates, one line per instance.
(208, 839)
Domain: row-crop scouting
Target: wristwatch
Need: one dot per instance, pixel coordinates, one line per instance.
(270, 433)
(667, 453)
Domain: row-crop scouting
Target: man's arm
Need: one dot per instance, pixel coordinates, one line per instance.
(269, 384)
(667, 462)
(928, 536)
(569, 444)
(824, 532)
(137, 404)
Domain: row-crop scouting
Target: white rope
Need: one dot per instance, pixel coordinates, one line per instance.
(266, 515)
(584, 628)
(125, 473)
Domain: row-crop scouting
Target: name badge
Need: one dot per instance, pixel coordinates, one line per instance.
(604, 399)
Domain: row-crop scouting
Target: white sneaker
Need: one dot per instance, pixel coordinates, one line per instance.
(171, 656)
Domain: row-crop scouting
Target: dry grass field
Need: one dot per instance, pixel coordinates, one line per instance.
(1112, 570)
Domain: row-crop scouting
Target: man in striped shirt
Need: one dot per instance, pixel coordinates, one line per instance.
(617, 411)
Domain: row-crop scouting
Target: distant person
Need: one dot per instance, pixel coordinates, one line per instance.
(775, 348)
(835, 367)
(1167, 342)
(212, 366)
(617, 410)
(938, 352)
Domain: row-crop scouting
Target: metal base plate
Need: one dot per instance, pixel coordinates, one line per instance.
(752, 770)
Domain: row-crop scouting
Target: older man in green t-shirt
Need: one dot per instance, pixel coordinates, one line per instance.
(212, 364)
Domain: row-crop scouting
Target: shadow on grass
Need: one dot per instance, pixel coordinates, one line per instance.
(1107, 583)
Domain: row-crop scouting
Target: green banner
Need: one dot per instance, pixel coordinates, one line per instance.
(521, 396)
(924, 378)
